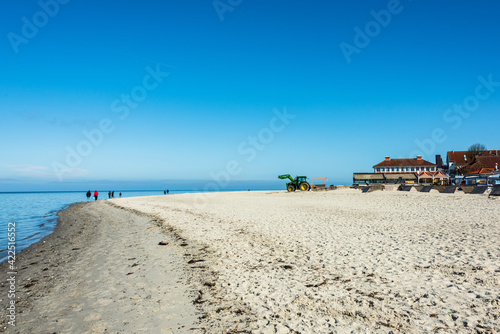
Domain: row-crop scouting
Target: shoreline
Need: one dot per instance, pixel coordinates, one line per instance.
(266, 262)
(27, 266)
(49, 215)
(63, 280)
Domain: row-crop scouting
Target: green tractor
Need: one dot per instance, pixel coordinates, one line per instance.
(300, 182)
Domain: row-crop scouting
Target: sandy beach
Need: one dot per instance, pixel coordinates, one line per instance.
(102, 270)
(267, 262)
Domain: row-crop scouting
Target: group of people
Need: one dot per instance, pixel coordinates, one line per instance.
(111, 194)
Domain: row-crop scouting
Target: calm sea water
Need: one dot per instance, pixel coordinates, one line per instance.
(35, 213)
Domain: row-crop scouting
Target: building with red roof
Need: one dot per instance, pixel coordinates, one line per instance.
(404, 166)
(482, 170)
(458, 159)
(485, 162)
(415, 170)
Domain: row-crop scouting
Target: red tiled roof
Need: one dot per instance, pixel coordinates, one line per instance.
(404, 163)
(437, 175)
(485, 162)
(482, 171)
(459, 156)
(441, 174)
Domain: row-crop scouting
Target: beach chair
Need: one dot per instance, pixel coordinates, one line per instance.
(365, 189)
(495, 191)
(478, 190)
(449, 190)
(439, 188)
(406, 188)
(467, 189)
(426, 189)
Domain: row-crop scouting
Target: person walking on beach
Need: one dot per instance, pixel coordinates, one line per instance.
(96, 194)
(113, 194)
(89, 194)
(109, 194)
(168, 191)
(120, 195)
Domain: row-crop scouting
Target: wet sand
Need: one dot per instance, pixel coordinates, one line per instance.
(102, 270)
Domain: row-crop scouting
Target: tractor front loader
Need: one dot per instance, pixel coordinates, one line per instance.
(300, 182)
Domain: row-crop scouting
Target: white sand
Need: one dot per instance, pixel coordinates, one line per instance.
(339, 261)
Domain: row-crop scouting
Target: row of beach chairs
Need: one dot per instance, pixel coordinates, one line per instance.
(474, 190)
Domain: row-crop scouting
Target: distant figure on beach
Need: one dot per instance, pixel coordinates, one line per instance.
(109, 194)
(164, 192)
(113, 194)
(96, 194)
(168, 191)
(120, 195)
(89, 194)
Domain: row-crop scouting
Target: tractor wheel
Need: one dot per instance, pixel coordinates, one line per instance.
(305, 186)
(290, 188)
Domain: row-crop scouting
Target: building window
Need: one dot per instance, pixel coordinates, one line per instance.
(413, 169)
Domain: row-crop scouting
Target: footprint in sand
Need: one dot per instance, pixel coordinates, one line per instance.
(92, 317)
(99, 327)
(103, 302)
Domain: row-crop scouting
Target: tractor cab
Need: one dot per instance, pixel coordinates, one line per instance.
(300, 179)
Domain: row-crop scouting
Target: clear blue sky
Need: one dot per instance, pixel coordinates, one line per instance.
(190, 90)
